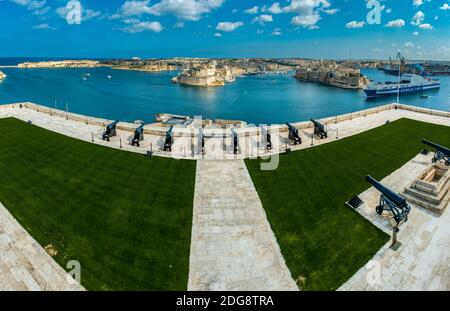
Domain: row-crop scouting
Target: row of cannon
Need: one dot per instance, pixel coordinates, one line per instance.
(294, 137)
(442, 153)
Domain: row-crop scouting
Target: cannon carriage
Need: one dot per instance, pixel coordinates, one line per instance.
(266, 138)
(168, 143)
(110, 131)
(294, 136)
(442, 153)
(319, 129)
(138, 136)
(391, 202)
(235, 141)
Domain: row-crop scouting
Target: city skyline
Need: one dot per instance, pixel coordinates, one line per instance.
(226, 28)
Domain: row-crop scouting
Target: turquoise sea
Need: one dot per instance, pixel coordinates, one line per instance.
(131, 95)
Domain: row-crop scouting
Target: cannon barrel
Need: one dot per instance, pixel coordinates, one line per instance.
(112, 125)
(169, 132)
(139, 129)
(292, 128)
(440, 148)
(388, 193)
(316, 122)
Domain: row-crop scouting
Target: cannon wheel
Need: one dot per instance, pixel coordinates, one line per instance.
(379, 209)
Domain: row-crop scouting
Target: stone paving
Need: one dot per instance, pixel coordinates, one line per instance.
(233, 246)
(24, 264)
(423, 260)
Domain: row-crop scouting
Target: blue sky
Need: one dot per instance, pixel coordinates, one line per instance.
(226, 28)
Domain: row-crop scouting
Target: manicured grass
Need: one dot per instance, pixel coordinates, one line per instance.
(126, 218)
(322, 239)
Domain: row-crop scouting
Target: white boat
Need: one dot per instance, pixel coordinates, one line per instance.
(409, 83)
(109, 77)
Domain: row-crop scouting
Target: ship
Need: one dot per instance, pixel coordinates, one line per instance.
(409, 83)
(2, 76)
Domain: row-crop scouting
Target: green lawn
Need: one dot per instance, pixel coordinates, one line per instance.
(126, 218)
(322, 239)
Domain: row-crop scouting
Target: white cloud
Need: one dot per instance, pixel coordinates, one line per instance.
(262, 19)
(135, 8)
(277, 32)
(409, 44)
(415, 33)
(445, 7)
(143, 26)
(355, 24)
(307, 11)
(229, 26)
(253, 10)
(86, 14)
(331, 11)
(388, 10)
(305, 21)
(398, 23)
(418, 18)
(217, 35)
(275, 8)
(426, 26)
(191, 10)
(30, 4)
(42, 26)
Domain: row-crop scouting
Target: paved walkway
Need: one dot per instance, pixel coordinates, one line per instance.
(24, 264)
(233, 246)
(423, 260)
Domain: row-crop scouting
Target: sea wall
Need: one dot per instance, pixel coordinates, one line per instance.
(159, 130)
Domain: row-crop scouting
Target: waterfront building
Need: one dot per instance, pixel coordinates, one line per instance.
(334, 75)
(200, 75)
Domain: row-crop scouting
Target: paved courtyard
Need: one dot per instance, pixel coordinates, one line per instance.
(233, 246)
(423, 260)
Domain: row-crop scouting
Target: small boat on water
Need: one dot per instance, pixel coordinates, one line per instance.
(109, 77)
(410, 83)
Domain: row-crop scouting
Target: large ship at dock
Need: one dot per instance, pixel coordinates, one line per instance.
(2, 76)
(409, 83)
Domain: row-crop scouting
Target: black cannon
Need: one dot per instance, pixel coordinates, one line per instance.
(391, 201)
(111, 131)
(235, 141)
(201, 141)
(442, 153)
(138, 135)
(169, 140)
(319, 129)
(266, 138)
(293, 134)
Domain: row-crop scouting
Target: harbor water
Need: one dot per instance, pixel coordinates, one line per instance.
(259, 99)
